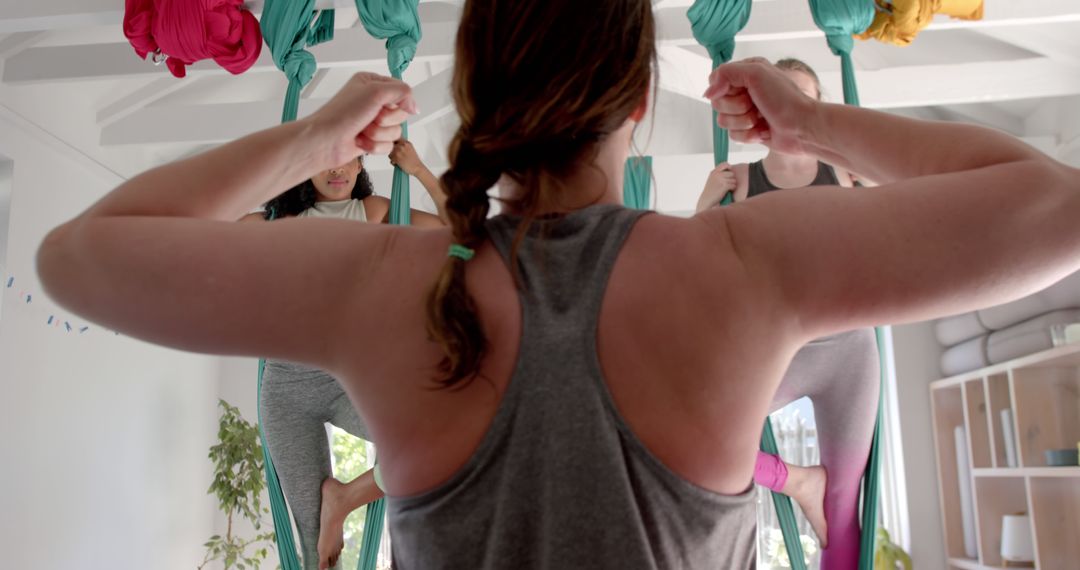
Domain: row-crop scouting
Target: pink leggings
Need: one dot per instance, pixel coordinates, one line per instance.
(841, 376)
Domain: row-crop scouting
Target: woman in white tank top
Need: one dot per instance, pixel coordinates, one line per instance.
(296, 401)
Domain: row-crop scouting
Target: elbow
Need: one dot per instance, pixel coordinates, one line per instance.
(53, 257)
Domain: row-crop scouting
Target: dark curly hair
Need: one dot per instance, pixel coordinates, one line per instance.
(303, 196)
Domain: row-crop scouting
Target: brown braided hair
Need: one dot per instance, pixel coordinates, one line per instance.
(537, 84)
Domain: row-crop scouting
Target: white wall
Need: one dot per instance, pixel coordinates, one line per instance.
(7, 168)
(918, 357)
(104, 438)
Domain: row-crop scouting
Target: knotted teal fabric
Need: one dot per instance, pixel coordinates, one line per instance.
(841, 20)
(288, 31)
(637, 182)
(397, 22)
(715, 23)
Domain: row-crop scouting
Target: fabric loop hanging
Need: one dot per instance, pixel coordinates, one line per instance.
(186, 32)
(637, 182)
(287, 28)
(397, 22)
(715, 24)
(841, 20)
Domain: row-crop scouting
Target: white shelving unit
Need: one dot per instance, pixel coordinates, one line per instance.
(1043, 392)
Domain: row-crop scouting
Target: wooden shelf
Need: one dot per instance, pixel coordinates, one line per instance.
(965, 563)
(1062, 356)
(1007, 416)
(1041, 472)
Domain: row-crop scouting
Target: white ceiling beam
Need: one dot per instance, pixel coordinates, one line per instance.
(350, 48)
(770, 21)
(899, 87)
(19, 41)
(1037, 41)
(34, 15)
(959, 84)
(986, 115)
(791, 19)
(138, 99)
(316, 80)
(224, 122)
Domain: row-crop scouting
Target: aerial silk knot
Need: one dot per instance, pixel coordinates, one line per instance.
(840, 44)
(400, 51)
(300, 67)
(185, 32)
(715, 23)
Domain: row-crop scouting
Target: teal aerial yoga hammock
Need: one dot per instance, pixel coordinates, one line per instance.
(397, 22)
(637, 180)
(841, 20)
(715, 23)
(288, 30)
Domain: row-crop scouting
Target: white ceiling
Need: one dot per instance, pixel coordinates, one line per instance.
(65, 66)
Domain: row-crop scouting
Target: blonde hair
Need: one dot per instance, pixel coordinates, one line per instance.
(792, 64)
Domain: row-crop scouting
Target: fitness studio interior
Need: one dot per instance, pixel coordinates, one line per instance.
(949, 443)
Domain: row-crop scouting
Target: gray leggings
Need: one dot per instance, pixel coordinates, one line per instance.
(296, 402)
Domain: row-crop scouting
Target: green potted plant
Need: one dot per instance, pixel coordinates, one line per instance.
(238, 485)
(889, 556)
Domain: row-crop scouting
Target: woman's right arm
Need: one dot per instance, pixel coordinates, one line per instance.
(966, 217)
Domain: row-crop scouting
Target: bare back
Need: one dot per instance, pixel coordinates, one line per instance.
(663, 352)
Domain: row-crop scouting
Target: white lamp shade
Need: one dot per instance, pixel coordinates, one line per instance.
(1016, 545)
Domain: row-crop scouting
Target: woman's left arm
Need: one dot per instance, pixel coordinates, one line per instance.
(161, 257)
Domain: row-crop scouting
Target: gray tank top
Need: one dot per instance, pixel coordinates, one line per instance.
(559, 480)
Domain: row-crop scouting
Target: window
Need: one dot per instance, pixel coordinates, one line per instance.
(351, 457)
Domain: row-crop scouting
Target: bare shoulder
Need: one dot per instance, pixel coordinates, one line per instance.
(680, 337)
(377, 208)
(696, 256)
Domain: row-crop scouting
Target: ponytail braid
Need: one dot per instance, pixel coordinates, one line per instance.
(451, 311)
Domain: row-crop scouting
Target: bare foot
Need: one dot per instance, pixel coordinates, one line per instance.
(807, 486)
(331, 523)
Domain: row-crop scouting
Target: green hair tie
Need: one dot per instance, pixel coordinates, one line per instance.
(461, 252)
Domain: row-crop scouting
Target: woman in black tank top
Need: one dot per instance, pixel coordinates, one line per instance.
(777, 171)
(838, 373)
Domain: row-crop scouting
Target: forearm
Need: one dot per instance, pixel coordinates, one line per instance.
(886, 148)
(434, 189)
(223, 184)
